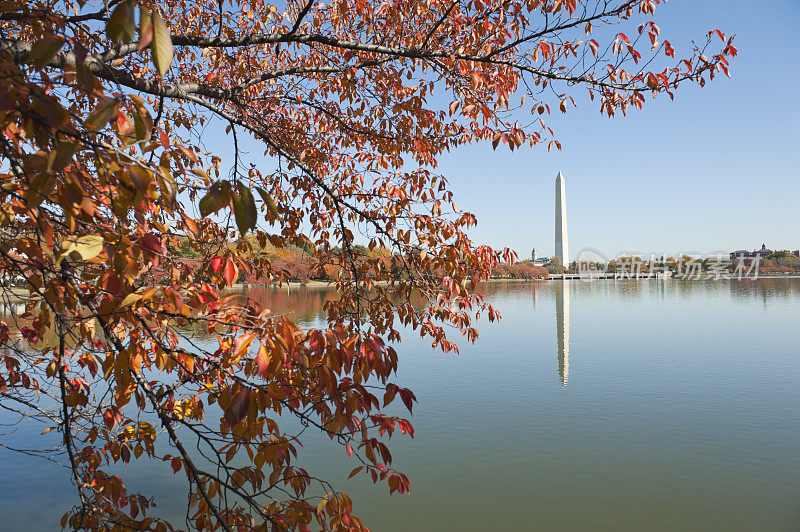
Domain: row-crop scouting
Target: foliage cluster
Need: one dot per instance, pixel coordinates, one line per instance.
(519, 270)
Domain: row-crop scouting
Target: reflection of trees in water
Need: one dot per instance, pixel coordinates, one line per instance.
(11, 314)
(766, 289)
(304, 303)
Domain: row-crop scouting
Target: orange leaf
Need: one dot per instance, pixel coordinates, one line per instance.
(242, 344)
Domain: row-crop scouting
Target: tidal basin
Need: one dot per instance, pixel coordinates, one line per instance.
(605, 405)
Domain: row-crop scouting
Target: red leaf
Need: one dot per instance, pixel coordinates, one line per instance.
(230, 272)
(238, 410)
(349, 450)
(216, 264)
(408, 398)
(176, 464)
(152, 243)
(110, 419)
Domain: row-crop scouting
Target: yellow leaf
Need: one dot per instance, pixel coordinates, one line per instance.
(130, 299)
(88, 247)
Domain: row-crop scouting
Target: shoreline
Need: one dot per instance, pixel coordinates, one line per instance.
(15, 296)
(325, 284)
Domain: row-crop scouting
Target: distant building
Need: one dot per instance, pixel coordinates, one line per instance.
(796, 253)
(744, 254)
(763, 252)
(537, 260)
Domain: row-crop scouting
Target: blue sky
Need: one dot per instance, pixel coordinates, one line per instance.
(717, 169)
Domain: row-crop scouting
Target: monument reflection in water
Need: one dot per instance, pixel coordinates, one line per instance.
(562, 329)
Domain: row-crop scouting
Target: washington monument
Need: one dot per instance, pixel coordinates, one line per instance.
(562, 243)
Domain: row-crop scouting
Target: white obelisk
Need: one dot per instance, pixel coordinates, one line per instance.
(562, 244)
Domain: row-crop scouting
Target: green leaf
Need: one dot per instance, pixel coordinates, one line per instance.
(244, 208)
(44, 50)
(217, 196)
(141, 128)
(272, 207)
(121, 25)
(161, 44)
(208, 204)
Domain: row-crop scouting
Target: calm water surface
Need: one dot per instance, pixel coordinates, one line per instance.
(650, 405)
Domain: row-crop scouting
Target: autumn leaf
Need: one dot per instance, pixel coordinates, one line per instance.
(238, 408)
(241, 344)
(161, 43)
(121, 25)
(143, 124)
(130, 299)
(230, 272)
(62, 155)
(86, 247)
(217, 196)
(145, 28)
(105, 111)
(43, 50)
(262, 359)
(244, 208)
(141, 178)
(168, 187)
(272, 207)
